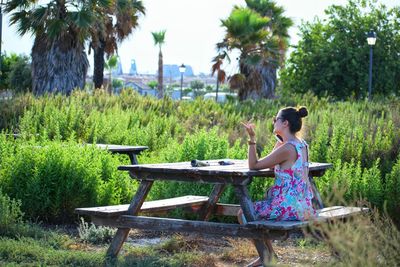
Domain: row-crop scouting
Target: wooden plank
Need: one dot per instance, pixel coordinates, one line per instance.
(133, 209)
(226, 209)
(122, 148)
(324, 215)
(187, 226)
(148, 206)
(279, 225)
(341, 213)
(208, 207)
(191, 177)
(238, 169)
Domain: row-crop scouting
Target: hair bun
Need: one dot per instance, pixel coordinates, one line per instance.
(303, 112)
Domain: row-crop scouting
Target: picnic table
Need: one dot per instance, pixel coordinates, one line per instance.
(238, 175)
(131, 151)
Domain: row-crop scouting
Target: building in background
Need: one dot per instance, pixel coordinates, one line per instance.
(133, 69)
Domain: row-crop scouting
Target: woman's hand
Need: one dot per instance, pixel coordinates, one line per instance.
(249, 128)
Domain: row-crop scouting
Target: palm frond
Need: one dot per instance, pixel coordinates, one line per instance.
(159, 37)
(55, 27)
(82, 19)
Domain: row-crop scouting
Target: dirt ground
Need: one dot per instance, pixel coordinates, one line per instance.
(296, 250)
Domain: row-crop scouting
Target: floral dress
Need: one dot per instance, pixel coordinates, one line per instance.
(290, 197)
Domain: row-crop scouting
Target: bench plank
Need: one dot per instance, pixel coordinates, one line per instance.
(330, 213)
(148, 206)
(189, 226)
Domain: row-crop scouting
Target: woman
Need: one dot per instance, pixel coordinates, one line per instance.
(290, 196)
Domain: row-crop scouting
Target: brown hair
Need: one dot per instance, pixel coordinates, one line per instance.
(293, 116)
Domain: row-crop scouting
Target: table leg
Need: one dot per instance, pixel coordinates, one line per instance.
(264, 249)
(317, 197)
(134, 208)
(208, 208)
(133, 158)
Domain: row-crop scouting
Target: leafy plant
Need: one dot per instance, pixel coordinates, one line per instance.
(94, 234)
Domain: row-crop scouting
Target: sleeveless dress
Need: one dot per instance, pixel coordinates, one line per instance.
(289, 199)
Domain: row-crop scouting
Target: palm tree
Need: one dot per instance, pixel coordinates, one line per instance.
(108, 33)
(110, 65)
(278, 43)
(159, 39)
(260, 33)
(60, 28)
(221, 75)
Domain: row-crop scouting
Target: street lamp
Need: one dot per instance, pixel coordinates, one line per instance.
(371, 39)
(1, 27)
(182, 69)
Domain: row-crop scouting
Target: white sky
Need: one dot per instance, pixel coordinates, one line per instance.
(193, 28)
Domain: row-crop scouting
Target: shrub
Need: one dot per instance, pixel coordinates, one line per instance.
(55, 178)
(93, 234)
(10, 212)
(392, 189)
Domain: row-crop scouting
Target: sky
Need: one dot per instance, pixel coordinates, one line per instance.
(193, 27)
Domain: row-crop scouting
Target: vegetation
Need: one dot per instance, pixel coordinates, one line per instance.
(332, 55)
(107, 32)
(159, 39)
(260, 32)
(362, 144)
(221, 75)
(15, 73)
(365, 241)
(110, 65)
(60, 28)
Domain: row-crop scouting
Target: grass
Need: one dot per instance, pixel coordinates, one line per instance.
(55, 248)
(370, 240)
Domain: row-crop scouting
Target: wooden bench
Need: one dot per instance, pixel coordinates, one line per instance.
(261, 229)
(100, 214)
(116, 216)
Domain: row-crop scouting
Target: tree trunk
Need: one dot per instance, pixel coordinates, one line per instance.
(268, 74)
(58, 65)
(216, 91)
(160, 76)
(98, 68)
(260, 81)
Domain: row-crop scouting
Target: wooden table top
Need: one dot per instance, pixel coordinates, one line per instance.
(122, 148)
(184, 169)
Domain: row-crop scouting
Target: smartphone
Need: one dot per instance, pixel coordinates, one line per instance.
(279, 138)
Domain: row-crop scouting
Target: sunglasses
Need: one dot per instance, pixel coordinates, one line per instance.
(275, 119)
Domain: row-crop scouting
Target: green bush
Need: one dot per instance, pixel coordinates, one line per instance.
(392, 189)
(10, 212)
(53, 178)
(352, 135)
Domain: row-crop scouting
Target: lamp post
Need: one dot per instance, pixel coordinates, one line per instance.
(1, 28)
(182, 69)
(371, 39)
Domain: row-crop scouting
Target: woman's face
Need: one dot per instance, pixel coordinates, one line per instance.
(278, 123)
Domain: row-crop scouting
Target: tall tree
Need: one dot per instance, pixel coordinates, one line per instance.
(60, 28)
(117, 23)
(159, 39)
(260, 33)
(332, 56)
(110, 65)
(221, 75)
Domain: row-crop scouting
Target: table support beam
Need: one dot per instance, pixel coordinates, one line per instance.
(317, 200)
(134, 208)
(264, 248)
(208, 208)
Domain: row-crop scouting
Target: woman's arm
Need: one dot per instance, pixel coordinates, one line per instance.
(277, 156)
